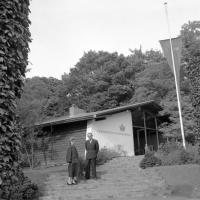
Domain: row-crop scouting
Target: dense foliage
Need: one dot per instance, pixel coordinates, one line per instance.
(191, 56)
(173, 153)
(23, 190)
(100, 80)
(14, 39)
(150, 160)
(40, 98)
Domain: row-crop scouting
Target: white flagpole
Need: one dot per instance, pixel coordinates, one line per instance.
(175, 76)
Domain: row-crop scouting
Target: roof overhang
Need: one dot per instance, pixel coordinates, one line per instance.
(94, 115)
(144, 105)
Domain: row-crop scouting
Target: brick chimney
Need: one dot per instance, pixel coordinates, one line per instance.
(74, 110)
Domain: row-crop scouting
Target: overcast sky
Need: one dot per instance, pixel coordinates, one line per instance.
(62, 30)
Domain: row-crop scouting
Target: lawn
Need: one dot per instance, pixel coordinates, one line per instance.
(40, 176)
(183, 180)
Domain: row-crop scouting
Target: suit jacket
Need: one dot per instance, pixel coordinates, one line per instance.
(72, 154)
(92, 149)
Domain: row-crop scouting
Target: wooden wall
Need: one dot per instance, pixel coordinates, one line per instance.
(58, 142)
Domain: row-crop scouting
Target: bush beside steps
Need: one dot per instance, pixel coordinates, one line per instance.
(150, 160)
(172, 153)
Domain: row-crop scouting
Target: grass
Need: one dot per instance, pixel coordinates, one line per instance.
(40, 176)
(182, 179)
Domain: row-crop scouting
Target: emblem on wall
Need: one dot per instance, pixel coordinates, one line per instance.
(122, 127)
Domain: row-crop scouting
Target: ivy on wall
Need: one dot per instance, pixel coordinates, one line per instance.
(14, 48)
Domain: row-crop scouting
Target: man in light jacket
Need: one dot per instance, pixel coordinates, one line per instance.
(92, 149)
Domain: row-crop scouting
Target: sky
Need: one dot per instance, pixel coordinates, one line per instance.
(62, 30)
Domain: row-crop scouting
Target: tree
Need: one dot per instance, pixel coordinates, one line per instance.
(190, 33)
(40, 100)
(14, 39)
(153, 83)
(156, 82)
(169, 103)
(153, 56)
(100, 80)
(29, 144)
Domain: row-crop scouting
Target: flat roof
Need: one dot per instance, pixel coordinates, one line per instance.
(92, 115)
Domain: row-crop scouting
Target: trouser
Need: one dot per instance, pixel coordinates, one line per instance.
(90, 163)
(73, 170)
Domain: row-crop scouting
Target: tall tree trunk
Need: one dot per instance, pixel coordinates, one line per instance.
(28, 157)
(32, 156)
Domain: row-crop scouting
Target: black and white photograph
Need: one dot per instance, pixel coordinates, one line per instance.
(99, 100)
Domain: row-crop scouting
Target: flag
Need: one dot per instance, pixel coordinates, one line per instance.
(176, 46)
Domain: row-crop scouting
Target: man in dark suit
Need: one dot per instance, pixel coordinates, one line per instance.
(92, 149)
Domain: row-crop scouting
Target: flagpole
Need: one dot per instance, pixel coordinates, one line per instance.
(175, 76)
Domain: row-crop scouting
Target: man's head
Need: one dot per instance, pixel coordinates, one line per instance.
(72, 140)
(90, 136)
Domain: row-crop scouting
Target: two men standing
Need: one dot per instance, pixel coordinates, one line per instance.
(92, 149)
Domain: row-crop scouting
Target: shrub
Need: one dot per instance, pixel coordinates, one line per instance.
(193, 151)
(190, 138)
(149, 160)
(106, 154)
(173, 153)
(172, 158)
(166, 148)
(186, 157)
(24, 190)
